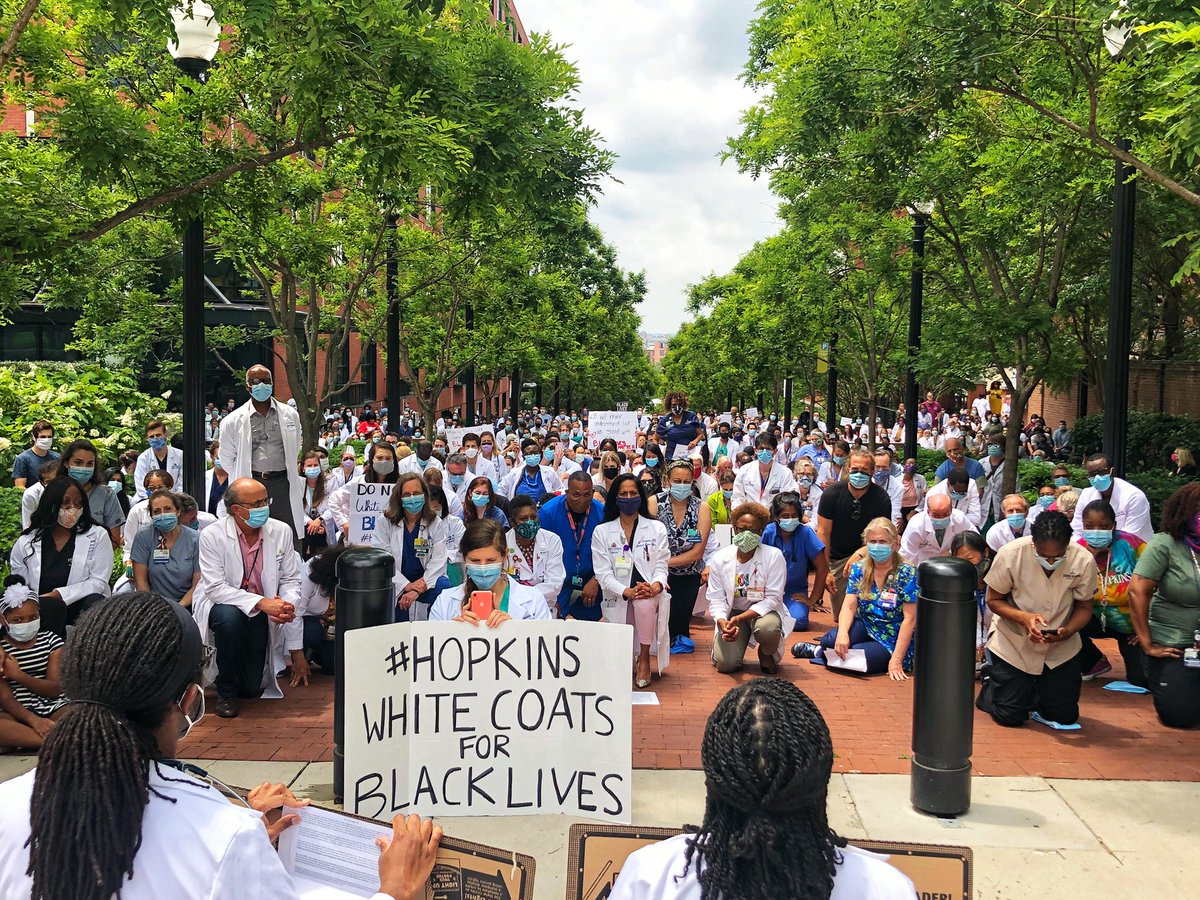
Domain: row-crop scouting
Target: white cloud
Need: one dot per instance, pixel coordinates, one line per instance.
(659, 79)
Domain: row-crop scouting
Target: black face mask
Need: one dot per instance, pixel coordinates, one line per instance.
(610, 472)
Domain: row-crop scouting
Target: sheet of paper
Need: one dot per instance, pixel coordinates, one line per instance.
(724, 535)
(645, 698)
(331, 856)
(855, 661)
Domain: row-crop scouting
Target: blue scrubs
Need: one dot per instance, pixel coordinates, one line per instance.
(800, 550)
(576, 537)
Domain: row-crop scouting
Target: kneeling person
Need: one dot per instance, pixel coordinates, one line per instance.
(484, 550)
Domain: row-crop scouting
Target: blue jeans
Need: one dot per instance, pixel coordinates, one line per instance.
(322, 648)
(878, 656)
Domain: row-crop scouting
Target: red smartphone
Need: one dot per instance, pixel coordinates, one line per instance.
(482, 604)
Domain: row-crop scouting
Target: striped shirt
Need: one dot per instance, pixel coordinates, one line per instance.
(34, 661)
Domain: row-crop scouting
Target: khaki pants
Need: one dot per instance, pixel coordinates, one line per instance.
(767, 630)
(837, 568)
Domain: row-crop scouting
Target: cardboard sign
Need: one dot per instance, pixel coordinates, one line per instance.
(596, 853)
(463, 870)
(752, 412)
(620, 426)
(530, 718)
(454, 436)
(367, 503)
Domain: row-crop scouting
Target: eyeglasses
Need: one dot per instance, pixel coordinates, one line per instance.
(253, 381)
(255, 504)
(855, 509)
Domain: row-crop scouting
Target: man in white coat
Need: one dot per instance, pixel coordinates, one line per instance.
(964, 496)
(250, 582)
(930, 532)
(1128, 502)
(761, 482)
(262, 439)
(159, 456)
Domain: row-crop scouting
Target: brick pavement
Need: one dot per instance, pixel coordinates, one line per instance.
(870, 719)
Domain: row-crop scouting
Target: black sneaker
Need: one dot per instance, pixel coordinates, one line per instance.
(805, 650)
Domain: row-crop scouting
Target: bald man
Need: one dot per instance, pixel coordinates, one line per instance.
(262, 439)
(931, 531)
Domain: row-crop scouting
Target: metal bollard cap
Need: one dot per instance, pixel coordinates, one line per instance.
(365, 569)
(947, 579)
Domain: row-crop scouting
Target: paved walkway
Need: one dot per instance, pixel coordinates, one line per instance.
(870, 718)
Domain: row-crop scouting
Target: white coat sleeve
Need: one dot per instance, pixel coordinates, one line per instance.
(339, 505)
(140, 471)
(910, 542)
(662, 553)
(98, 573)
(19, 559)
(718, 592)
(435, 563)
(250, 867)
(776, 580)
(291, 576)
(896, 492)
(974, 508)
(215, 579)
(602, 567)
(231, 437)
(739, 487)
(29, 502)
(508, 483)
(556, 572)
(1137, 517)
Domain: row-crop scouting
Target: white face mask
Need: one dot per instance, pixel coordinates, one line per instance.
(68, 517)
(470, 453)
(44, 443)
(23, 631)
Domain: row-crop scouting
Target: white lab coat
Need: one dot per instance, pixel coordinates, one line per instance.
(412, 463)
(138, 518)
(30, 499)
(1128, 502)
(707, 485)
(486, 468)
(524, 603)
(895, 491)
(547, 574)
(655, 872)
(227, 853)
(1000, 534)
(769, 562)
(732, 449)
(971, 507)
(221, 573)
(455, 529)
(550, 481)
(748, 486)
(650, 553)
(827, 475)
(919, 542)
(236, 450)
(390, 536)
(91, 565)
(147, 462)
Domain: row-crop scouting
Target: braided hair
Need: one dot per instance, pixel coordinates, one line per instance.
(767, 759)
(124, 666)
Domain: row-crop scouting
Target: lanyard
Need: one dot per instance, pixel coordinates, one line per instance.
(250, 569)
(504, 599)
(579, 531)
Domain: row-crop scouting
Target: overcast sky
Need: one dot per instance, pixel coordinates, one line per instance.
(660, 83)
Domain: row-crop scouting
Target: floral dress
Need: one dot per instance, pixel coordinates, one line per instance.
(882, 609)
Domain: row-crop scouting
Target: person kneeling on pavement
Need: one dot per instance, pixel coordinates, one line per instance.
(803, 552)
(879, 614)
(1040, 592)
(745, 594)
(250, 575)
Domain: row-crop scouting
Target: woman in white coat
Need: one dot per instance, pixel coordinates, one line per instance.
(64, 557)
(767, 759)
(416, 538)
(534, 556)
(630, 551)
(380, 470)
(139, 513)
(484, 550)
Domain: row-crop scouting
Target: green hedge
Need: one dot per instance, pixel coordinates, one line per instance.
(10, 518)
(1153, 437)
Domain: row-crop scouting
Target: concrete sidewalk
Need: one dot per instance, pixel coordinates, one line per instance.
(1032, 837)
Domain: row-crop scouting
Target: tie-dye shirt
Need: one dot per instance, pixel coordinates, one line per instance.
(1111, 604)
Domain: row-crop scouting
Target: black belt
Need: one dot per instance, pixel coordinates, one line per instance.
(270, 476)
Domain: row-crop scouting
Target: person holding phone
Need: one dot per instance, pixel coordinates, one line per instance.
(487, 595)
(1040, 591)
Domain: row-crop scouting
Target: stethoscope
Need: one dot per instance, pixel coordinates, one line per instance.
(210, 780)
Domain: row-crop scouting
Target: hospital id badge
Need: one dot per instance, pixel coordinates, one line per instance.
(421, 546)
(1191, 658)
(577, 582)
(755, 595)
(623, 567)
(693, 536)
(162, 555)
(888, 599)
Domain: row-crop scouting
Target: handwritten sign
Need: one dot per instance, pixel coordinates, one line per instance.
(530, 718)
(618, 425)
(367, 503)
(454, 436)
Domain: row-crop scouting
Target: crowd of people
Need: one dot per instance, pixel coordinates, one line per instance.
(740, 518)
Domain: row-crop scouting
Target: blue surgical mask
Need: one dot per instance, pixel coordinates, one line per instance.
(312, 472)
(995, 450)
(548, 454)
(480, 500)
(1045, 501)
(1098, 538)
(838, 460)
(859, 480)
(457, 480)
(680, 491)
(262, 392)
(116, 487)
(958, 496)
(1047, 565)
(880, 552)
(158, 443)
(258, 517)
(533, 459)
(1061, 481)
(789, 525)
(1101, 482)
(765, 456)
(484, 576)
(165, 522)
(939, 522)
(1016, 521)
(82, 474)
(651, 462)
(413, 504)
(726, 496)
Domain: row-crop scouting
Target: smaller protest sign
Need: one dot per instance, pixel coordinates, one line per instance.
(752, 412)
(615, 424)
(367, 503)
(454, 436)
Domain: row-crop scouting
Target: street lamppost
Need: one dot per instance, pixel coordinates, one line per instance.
(1120, 286)
(197, 37)
(921, 213)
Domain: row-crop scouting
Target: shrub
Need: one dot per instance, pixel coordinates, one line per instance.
(10, 519)
(1152, 438)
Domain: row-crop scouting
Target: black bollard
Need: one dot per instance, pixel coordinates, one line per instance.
(365, 597)
(944, 694)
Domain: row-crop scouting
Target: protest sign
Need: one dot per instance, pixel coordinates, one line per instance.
(620, 426)
(530, 718)
(596, 854)
(454, 436)
(752, 412)
(367, 503)
(333, 855)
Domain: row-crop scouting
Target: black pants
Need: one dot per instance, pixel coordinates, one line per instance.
(242, 642)
(1090, 654)
(1176, 692)
(684, 589)
(56, 615)
(1010, 695)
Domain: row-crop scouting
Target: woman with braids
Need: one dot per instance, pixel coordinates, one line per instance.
(767, 758)
(1040, 591)
(105, 812)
